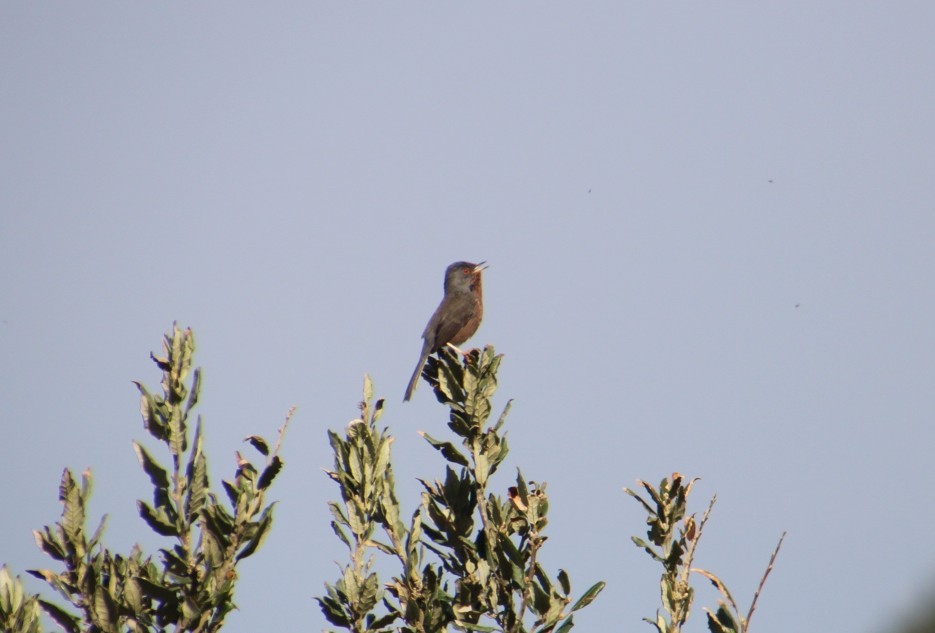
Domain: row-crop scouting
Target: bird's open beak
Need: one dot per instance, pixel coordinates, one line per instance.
(481, 266)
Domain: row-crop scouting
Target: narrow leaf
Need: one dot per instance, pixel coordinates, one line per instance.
(269, 473)
(589, 595)
(64, 619)
(646, 546)
(48, 544)
(197, 474)
(105, 610)
(262, 530)
(73, 511)
(566, 625)
(719, 584)
(447, 450)
(564, 581)
(96, 537)
(157, 474)
(157, 522)
(258, 443)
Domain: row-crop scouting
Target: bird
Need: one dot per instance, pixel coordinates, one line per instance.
(457, 317)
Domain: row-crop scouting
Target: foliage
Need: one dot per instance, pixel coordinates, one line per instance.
(673, 537)
(18, 612)
(467, 558)
(191, 588)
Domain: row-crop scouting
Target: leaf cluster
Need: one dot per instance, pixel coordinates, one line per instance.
(467, 557)
(18, 611)
(673, 535)
(191, 586)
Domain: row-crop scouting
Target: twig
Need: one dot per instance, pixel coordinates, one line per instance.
(690, 556)
(282, 429)
(769, 568)
(530, 577)
(691, 549)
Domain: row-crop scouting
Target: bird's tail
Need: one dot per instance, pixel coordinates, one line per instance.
(415, 378)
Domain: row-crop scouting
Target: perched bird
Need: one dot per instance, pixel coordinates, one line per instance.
(457, 316)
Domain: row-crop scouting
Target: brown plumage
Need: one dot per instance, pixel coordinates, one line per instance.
(457, 317)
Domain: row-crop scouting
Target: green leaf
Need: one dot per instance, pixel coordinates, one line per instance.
(96, 537)
(191, 610)
(370, 593)
(540, 599)
(64, 619)
(649, 509)
(9, 596)
(722, 621)
(375, 624)
(72, 513)
(566, 625)
(356, 518)
(377, 410)
(473, 626)
(589, 595)
(157, 521)
(660, 623)
(656, 495)
(158, 592)
(350, 585)
(133, 595)
(447, 450)
(338, 514)
(258, 443)
(543, 579)
(521, 488)
(564, 581)
(338, 446)
(262, 530)
(43, 574)
(157, 474)
(231, 491)
(177, 441)
(646, 546)
(341, 535)
(482, 467)
(269, 473)
(514, 559)
(197, 474)
(175, 561)
(86, 485)
(153, 422)
(49, 544)
(333, 612)
(414, 537)
(219, 525)
(383, 457)
(461, 423)
(195, 390)
(719, 584)
(502, 419)
(368, 388)
(105, 610)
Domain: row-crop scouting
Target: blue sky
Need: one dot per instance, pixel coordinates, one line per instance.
(709, 230)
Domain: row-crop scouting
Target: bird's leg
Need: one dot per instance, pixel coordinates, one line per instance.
(455, 348)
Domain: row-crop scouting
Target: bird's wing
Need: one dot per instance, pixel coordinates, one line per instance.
(452, 314)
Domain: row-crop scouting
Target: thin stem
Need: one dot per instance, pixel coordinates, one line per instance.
(534, 544)
(769, 568)
(282, 429)
(690, 555)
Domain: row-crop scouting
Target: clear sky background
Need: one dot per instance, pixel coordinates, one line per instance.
(710, 229)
